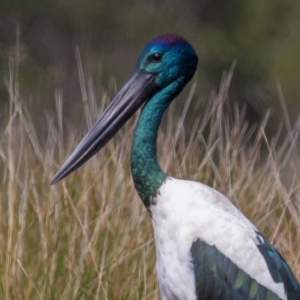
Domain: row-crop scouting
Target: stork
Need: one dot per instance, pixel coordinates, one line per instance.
(206, 248)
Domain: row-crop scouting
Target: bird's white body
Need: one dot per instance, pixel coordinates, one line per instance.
(185, 211)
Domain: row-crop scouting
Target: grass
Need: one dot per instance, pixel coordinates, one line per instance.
(89, 237)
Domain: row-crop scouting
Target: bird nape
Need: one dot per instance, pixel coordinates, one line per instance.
(206, 248)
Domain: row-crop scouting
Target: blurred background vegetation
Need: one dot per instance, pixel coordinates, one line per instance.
(261, 36)
(75, 240)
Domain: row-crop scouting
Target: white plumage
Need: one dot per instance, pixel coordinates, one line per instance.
(211, 217)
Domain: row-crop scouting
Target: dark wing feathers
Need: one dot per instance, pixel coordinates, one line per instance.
(279, 269)
(218, 278)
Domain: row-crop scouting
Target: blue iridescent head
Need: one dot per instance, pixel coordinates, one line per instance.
(170, 57)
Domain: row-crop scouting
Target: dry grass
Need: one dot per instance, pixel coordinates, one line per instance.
(89, 237)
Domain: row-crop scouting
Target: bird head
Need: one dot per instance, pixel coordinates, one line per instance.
(165, 60)
(169, 57)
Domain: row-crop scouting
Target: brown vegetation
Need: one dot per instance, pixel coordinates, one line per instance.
(89, 237)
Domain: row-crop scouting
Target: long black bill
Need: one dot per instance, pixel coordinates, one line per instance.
(136, 91)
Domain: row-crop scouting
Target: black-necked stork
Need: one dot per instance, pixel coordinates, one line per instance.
(206, 248)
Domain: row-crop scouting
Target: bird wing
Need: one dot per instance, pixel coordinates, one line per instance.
(279, 269)
(217, 277)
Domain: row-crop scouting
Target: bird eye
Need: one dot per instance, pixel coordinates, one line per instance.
(156, 57)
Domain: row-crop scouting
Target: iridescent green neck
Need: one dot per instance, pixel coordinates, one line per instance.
(146, 171)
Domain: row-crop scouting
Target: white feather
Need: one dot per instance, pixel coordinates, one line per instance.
(187, 210)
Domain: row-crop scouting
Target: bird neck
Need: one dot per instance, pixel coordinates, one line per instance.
(146, 171)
